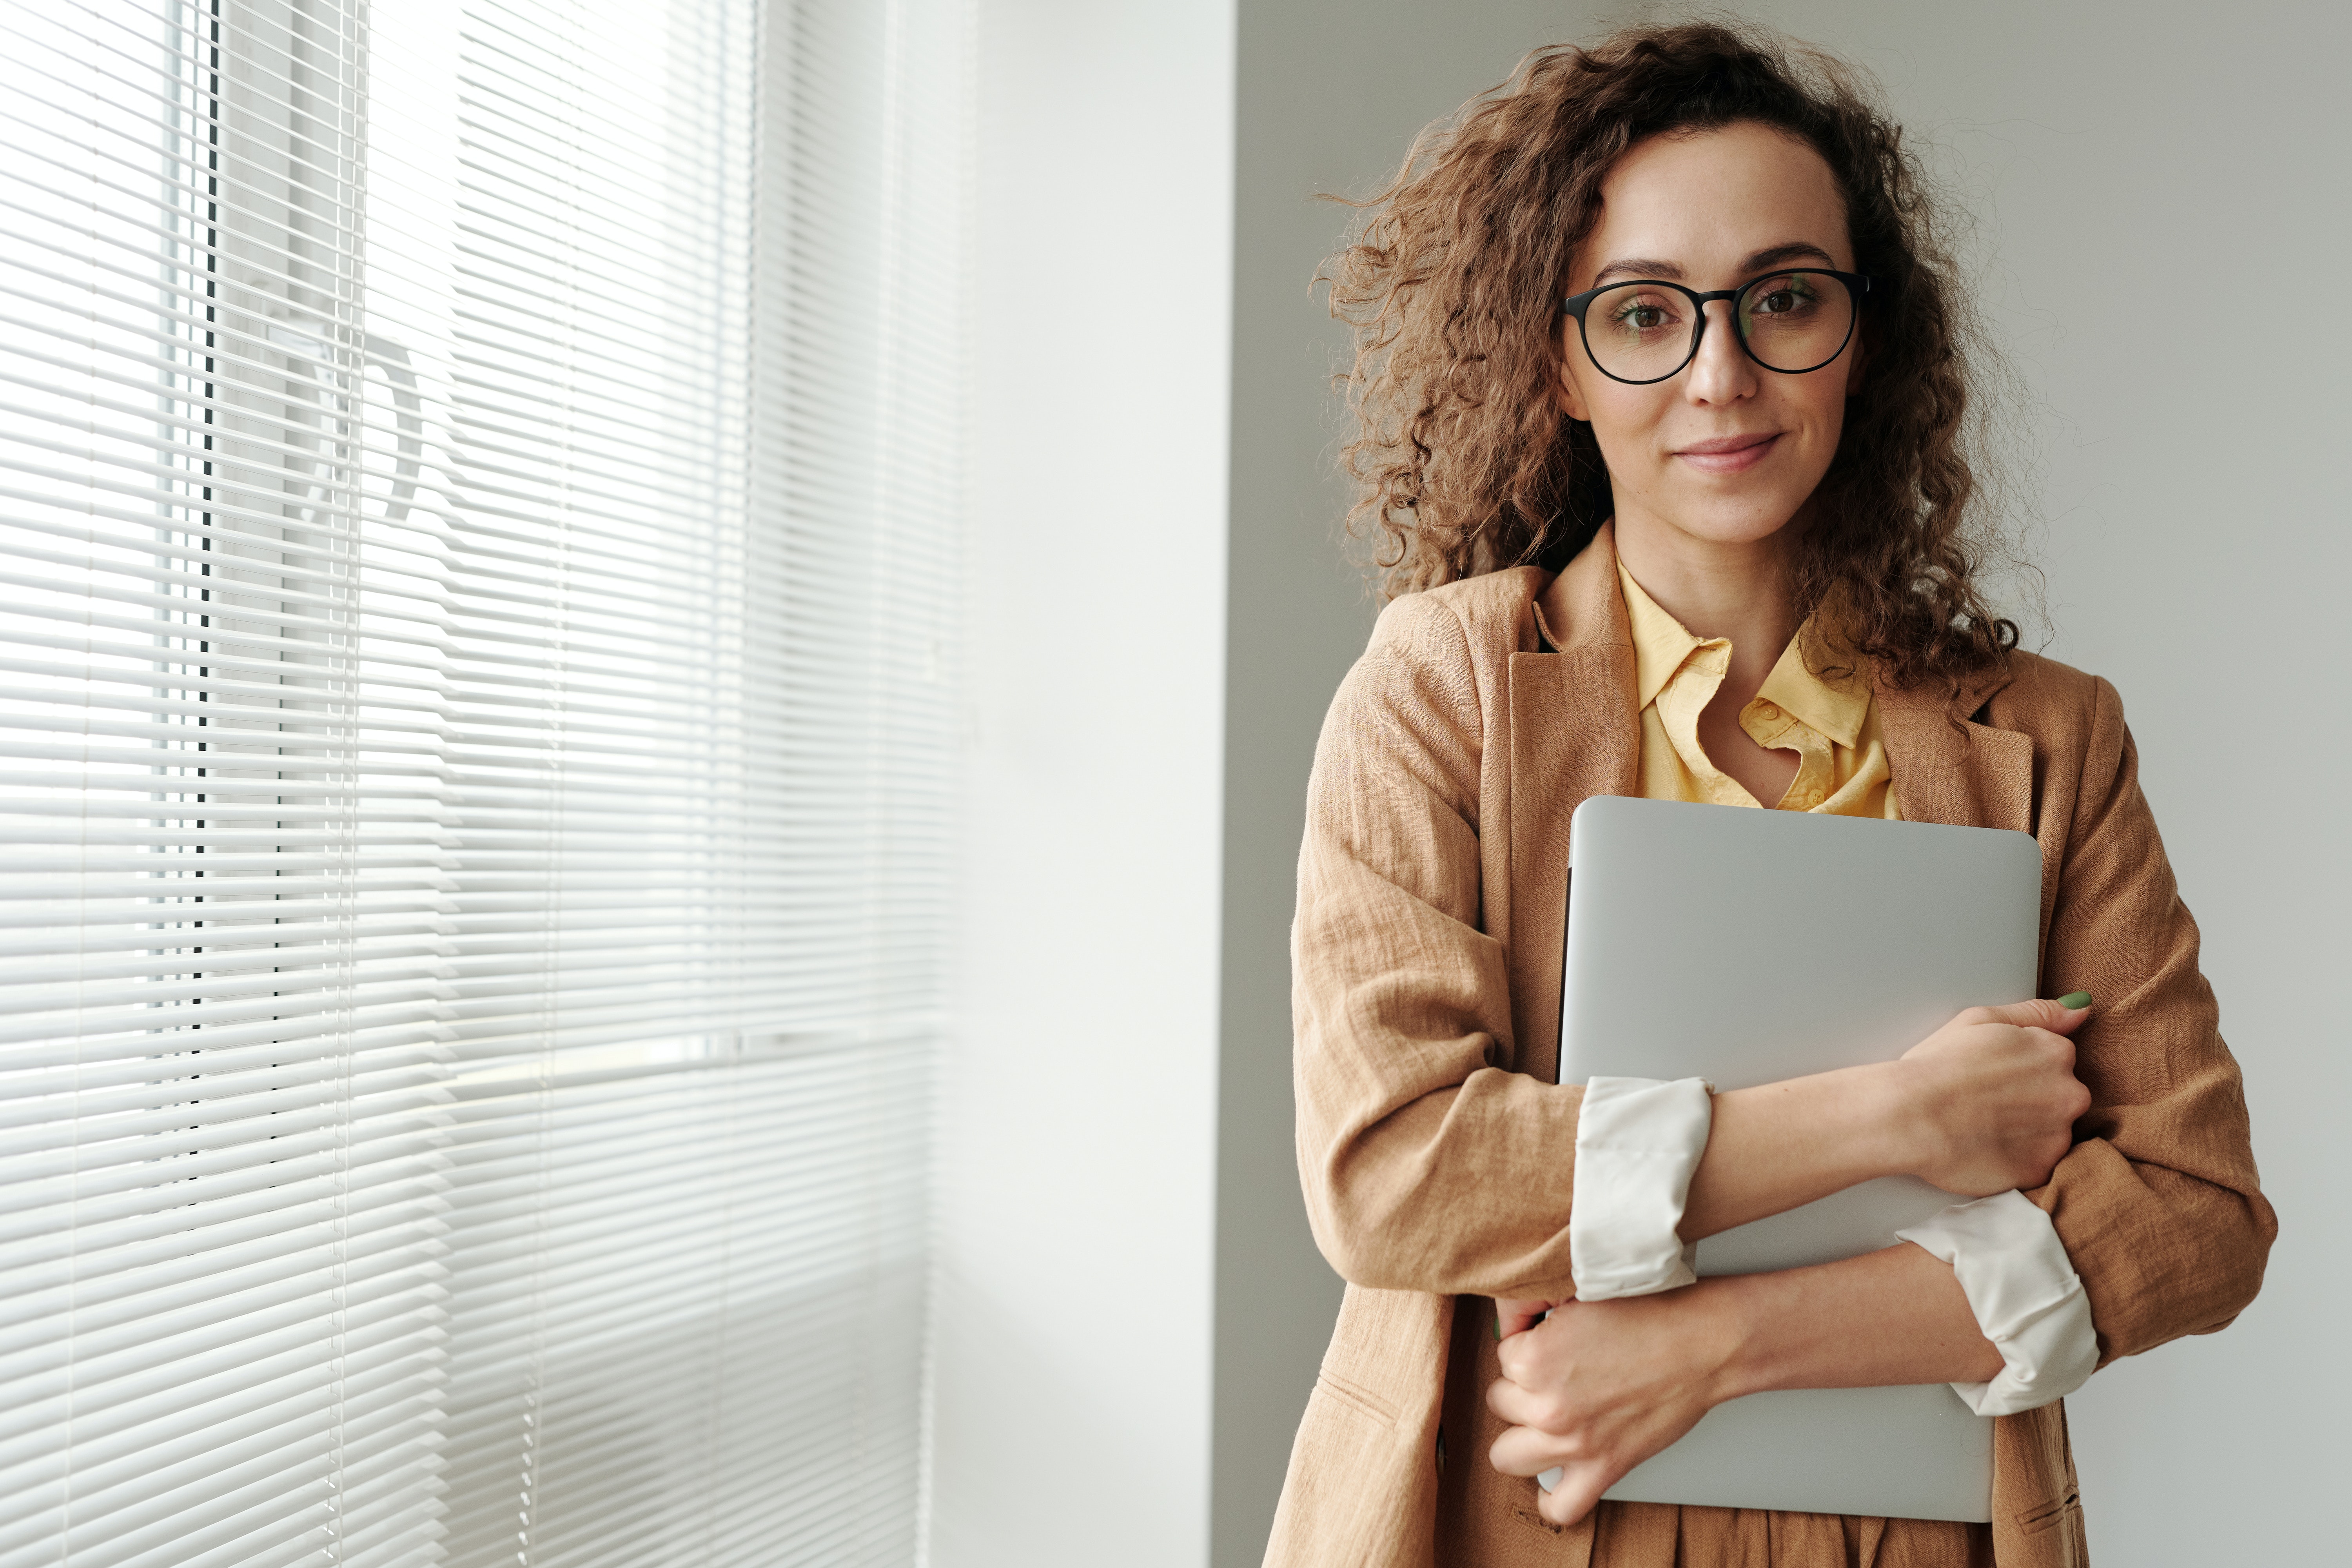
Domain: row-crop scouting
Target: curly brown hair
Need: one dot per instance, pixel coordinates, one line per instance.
(1464, 459)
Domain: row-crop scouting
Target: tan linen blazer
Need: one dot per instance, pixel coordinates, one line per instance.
(1437, 1151)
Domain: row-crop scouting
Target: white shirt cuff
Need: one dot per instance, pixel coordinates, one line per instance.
(2025, 1294)
(1637, 1141)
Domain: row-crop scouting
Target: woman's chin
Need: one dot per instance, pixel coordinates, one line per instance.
(1708, 520)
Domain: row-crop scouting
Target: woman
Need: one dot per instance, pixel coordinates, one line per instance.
(1663, 411)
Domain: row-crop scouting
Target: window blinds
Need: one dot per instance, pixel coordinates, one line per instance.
(478, 500)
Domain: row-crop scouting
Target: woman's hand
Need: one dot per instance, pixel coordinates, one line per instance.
(1600, 1386)
(1994, 1098)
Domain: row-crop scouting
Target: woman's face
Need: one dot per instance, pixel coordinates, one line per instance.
(1726, 450)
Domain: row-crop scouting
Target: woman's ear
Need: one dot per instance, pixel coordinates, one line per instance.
(1571, 402)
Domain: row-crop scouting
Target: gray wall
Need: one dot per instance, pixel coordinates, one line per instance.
(2121, 159)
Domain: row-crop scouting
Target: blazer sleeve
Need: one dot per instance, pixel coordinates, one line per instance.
(2158, 1202)
(1425, 1167)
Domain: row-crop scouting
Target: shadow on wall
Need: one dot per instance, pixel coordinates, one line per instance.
(651, 1278)
(655, 1452)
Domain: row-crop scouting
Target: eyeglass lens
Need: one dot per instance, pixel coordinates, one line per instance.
(1791, 322)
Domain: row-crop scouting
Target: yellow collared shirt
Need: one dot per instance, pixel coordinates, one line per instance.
(1831, 724)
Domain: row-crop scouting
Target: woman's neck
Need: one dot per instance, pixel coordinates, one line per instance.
(1736, 589)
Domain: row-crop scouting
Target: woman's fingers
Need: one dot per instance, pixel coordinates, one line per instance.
(1516, 1404)
(1517, 1315)
(1525, 1451)
(2039, 1014)
(1583, 1476)
(1530, 1451)
(1576, 1493)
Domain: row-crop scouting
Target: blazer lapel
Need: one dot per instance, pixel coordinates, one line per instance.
(1574, 734)
(1963, 775)
(1972, 776)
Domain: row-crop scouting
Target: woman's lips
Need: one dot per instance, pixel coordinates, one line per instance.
(1728, 454)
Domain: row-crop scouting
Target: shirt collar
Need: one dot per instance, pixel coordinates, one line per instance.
(1835, 707)
(1661, 643)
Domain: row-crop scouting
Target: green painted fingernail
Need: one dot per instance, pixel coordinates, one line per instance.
(1498, 1325)
(2073, 999)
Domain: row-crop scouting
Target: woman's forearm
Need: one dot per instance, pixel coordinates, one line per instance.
(1896, 1316)
(1986, 1103)
(1776, 1147)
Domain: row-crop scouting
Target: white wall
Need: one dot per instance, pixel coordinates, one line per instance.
(2121, 156)
(1073, 1340)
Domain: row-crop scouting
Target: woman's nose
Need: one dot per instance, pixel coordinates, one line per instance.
(1722, 372)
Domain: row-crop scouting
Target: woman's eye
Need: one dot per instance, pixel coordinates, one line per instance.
(1784, 299)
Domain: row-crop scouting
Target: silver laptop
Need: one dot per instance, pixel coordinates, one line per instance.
(1823, 942)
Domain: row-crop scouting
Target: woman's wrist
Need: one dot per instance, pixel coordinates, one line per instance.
(1732, 1323)
(1762, 1333)
(1782, 1145)
(1890, 1317)
(1897, 1126)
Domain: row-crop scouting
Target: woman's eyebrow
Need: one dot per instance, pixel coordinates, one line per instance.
(1672, 271)
(1798, 250)
(1640, 267)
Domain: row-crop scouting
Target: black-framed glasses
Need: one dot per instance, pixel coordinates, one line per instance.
(1791, 322)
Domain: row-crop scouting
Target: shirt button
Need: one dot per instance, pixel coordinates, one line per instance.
(1766, 710)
